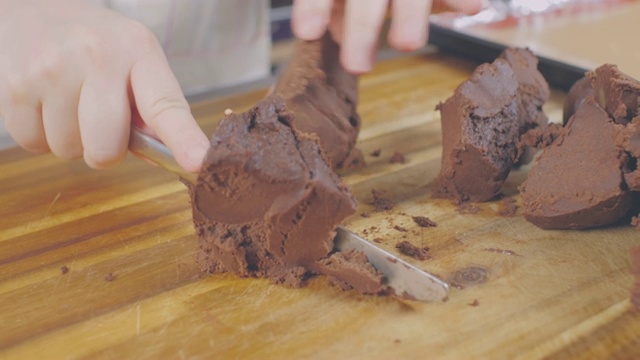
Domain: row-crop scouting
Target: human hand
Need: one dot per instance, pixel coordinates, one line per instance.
(74, 76)
(356, 24)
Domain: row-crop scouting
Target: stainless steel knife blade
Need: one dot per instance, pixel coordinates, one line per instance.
(150, 149)
(405, 279)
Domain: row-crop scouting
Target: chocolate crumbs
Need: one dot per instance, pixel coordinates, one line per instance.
(466, 208)
(424, 221)
(381, 203)
(400, 228)
(64, 269)
(508, 207)
(398, 158)
(415, 252)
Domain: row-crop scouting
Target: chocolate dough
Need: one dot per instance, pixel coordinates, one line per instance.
(351, 270)
(629, 141)
(629, 138)
(415, 252)
(617, 93)
(533, 89)
(576, 96)
(266, 203)
(483, 122)
(479, 134)
(324, 96)
(533, 93)
(578, 181)
(588, 176)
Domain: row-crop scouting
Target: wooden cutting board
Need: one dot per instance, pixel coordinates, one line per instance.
(133, 290)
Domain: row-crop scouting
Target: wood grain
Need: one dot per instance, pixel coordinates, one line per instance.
(521, 292)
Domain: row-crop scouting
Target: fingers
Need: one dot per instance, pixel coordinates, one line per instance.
(104, 119)
(336, 25)
(20, 108)
(162, 105)
(60, 122)
(310, 18)
(363, 20)
(409, 24)
(41, 105)
(24, 124)
(356, 24)
(466, 6)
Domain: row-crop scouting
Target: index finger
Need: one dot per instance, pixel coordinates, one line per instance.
(310, 18)
(362, 23)
(409, 24)
(163, 107)
(466, 6)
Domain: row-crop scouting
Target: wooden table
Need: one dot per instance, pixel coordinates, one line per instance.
(521, 292)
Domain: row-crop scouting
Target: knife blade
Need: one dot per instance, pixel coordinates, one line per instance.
(403, 278)
(152, 150)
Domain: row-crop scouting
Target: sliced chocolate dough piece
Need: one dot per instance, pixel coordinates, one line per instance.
(479, 134)
(629, 140)
(542, 137)
(533, 93)
(619, 95)
(632, 179)
(577, 182)
(616, 92)
(351, 270)
(266, 203)
(324, 97)
(580, 90)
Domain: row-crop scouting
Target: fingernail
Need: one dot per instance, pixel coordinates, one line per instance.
(358, 61)
(195, 156)
(200, 153)
(408, 36)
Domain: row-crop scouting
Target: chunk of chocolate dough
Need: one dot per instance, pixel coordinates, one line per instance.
(619, 94)
(266, 203)
(616, 92)
(579, 91)
(533, 93)
(324, 97)
(479, 134)
(578, 181)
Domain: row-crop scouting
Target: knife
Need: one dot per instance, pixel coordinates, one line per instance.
(403, 278)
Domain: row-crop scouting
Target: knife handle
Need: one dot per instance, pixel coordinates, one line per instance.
(151, 149)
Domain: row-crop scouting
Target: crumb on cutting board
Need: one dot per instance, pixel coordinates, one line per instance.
(415, 252)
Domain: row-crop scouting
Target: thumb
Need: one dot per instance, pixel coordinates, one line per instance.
(163, 107)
